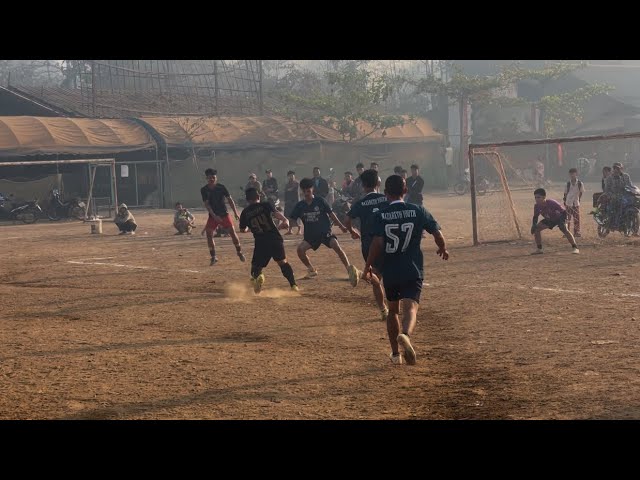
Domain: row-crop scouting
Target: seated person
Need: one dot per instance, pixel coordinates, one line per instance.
(125, 221)
(183, 220)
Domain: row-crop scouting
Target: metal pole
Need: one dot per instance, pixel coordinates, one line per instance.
(472, 178)
(135, 169)
(91, 182)
(260, 87)
(114, 184)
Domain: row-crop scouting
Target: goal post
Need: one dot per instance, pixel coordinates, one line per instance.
(92, 162)
(493, 158)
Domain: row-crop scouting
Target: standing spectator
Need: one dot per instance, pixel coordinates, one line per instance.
(357, 189)
(606, 171)
(375, 166)
(291, 199)
(347, 185)
(320, 185)
(572, 196)
(254, 183)
(270, 185)
(415, 184)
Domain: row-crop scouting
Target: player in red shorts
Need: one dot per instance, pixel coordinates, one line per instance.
(213, 195)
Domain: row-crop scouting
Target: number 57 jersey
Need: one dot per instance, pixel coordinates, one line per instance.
(401, 225)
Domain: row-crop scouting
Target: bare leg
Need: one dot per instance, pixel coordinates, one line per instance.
(568, 235)
(409, 314)
(538, 235)
(378, 292)
(393, 326)
(236, 242)
(302, 255)
(338, 249)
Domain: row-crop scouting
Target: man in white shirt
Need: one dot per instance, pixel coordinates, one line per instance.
(572, 196)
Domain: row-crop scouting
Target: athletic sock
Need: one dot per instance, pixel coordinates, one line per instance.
(287, 271)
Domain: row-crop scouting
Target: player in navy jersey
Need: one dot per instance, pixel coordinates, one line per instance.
(397, 234)
(365, 209)
(257, 217)
(315, 214)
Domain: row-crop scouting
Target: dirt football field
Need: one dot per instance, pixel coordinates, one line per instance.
(141, 327)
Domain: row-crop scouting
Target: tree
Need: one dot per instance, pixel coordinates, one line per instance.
(344, 97)
(484, 91)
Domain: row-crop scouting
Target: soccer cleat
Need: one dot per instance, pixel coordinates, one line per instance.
(241, 256)
(312, 273)
(214, 260)
(384, 314)
(258, 282)
(537, 252)
(575, 250)
(409, 352)
(354, 275)
(294, 288)
(396, 359)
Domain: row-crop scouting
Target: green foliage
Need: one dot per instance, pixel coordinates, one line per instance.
(342, 99)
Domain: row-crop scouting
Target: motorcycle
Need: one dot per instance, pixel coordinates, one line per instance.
(464, 184)
(58, 209)
(27, 213)
(341, 205)
(624, 219)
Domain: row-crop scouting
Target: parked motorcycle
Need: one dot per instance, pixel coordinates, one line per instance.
(464, 184)
(75, 208)
(624, 219)
(26, 213)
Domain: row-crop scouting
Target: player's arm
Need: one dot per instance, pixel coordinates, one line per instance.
(442, 246)
(208, 207)
(282, 218)
(349, 226)
(232, 204)
(243, 227)
(335, 219)
(534, 224)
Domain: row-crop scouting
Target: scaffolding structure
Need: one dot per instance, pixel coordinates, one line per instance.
(139, 88)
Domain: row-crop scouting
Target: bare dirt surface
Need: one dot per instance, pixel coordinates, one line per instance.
(112, 327)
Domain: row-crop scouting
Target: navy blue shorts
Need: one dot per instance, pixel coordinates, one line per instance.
(397, 291)
(316, 242)
(550, 223)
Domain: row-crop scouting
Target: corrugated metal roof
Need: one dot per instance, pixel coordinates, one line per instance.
(55, 135)
(220, 131)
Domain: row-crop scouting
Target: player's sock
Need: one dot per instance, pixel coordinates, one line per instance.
(287, 271)
(213, 253)
(539, 247)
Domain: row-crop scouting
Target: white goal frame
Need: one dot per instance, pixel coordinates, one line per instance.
(489, 149)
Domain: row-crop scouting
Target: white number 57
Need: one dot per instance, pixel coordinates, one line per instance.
(388, 230)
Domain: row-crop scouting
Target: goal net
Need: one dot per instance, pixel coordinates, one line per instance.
(506, 174)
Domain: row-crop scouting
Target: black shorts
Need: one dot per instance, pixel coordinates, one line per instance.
(316, 242)
(266, 249)
(553, 223)
(397, 291)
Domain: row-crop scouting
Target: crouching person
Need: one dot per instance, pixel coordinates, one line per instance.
(124, 221)
(183, 220)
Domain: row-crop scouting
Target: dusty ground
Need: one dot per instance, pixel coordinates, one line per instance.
(110, 327)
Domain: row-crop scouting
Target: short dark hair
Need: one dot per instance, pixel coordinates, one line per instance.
(415, 167)
(210, 171)
(606, 168)
(403, 171)
(178, 203)
(397, 170)
(360, 165)
(374, 163)
(348, 173)
(369, 178)
(306, 183)
(573, 170)
(268, 170)
(316, 168)
(251, 194)
(291, 172)
(394, 185)
(540, 191)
